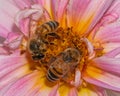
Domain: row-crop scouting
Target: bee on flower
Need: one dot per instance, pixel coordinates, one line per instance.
(59, 47)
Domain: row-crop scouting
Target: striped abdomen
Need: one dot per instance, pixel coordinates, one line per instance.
(54, 75)
(47, 27)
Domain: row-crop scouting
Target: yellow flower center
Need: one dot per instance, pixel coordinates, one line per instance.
(50, 45)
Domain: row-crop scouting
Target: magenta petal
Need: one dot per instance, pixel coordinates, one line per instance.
(73, 92)
(101, 78)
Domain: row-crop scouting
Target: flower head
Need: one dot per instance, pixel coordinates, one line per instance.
(59, 47)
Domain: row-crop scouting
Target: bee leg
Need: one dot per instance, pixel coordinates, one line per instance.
(77, 81)
(53, 34)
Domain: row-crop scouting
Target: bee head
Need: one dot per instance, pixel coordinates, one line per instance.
(36, 49)
(33, 45)
(71, 55)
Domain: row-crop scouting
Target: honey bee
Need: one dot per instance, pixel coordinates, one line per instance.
(44, 35)
(64, 63)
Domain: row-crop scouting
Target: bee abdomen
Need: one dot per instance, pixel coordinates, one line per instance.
(52, 25)
(52, 76)
(48, 27)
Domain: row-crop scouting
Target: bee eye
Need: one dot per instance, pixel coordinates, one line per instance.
(67, 58)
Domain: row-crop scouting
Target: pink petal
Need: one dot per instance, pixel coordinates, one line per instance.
(12, 68)
(101, 78)
(22, 20)
(61, 9)
(48, 6)
(38, 14)
(10, 62)
(3, 31)
(7, 16)
(110, 46)
(5, 88)
(114, 53)
(33, 92)
(99, 90)
(115, 8)
(78, 77)
(54, 5)
(85, 14)
(4, 51)
(104, 7)
(22, 4)
(13, 75)
(108, 63)
(41, 2)
(13, 40)
(55, 8)
(54, 91)
(22, 86)
(108, 33)
(89, 47)
(109, 17)
(73, 92)
(77, 82)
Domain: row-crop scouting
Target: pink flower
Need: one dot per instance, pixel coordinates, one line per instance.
(95, 22)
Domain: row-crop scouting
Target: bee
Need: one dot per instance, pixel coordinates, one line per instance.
(46, 31)
(43, 35)
(64, 63)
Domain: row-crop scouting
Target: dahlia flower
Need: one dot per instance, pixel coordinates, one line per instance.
(94, 29)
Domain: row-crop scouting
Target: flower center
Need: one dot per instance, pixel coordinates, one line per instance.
(59, 51)
(67, 39)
